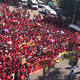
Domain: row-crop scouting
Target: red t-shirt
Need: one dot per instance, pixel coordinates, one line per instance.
(28, 70)
(21, 77)
(76, 59)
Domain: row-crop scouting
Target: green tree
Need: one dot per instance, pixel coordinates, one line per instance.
(77, 14)
(70, 8)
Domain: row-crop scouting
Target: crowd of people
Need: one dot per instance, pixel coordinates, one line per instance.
(34, 40)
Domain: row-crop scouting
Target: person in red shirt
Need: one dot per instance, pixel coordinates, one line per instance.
(28, 72)
(76, 60)
(21, 76)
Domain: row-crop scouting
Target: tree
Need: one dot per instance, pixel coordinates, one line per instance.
(77, 10)
(70, 8)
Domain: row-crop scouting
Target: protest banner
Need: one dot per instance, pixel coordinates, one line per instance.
(66, 55)
(40, 64)
(62, 56)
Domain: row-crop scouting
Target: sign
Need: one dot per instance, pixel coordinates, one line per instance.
(62, 56)
(66, 55)
(39, 65)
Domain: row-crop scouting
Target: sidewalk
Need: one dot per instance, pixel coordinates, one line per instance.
(58, 72)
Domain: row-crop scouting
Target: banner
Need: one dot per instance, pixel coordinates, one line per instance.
(40, 64)
(77, 38)
(62, 56)
(66, 55)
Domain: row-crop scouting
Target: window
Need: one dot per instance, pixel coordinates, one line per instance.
(24, 2)
(34, 4)
(41, 3)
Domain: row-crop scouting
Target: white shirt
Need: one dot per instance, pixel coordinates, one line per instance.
(73, 69)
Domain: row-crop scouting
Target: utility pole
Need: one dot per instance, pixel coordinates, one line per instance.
(73, 16)
(74, 11)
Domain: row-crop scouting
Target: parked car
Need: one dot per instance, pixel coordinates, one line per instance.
(45, 8)
(40, 3)
(24, 2)
(33, 4)
(51, 12)
(56, 8)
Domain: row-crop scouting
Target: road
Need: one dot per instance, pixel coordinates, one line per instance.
(58, 72)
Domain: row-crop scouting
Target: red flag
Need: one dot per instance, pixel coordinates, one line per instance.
(77, 38)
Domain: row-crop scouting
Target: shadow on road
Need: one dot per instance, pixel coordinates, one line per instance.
(39, 78)
(40, 12)
(77, 73)
(71, 62)
(68, 68)
(54, 74)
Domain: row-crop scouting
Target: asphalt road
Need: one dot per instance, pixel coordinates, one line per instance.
(59, 72)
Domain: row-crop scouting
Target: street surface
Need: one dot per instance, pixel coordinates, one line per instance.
(58, 72)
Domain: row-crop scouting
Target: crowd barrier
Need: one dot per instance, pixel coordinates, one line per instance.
(51, 61)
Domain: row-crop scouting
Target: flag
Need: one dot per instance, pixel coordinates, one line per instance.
(77, 38)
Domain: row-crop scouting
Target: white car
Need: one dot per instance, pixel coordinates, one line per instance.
(40, 3)
(51, 12)
(24, 3)
(33, 4)
(45, 8)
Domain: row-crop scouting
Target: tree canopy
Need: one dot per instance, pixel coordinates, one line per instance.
(70, 8)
